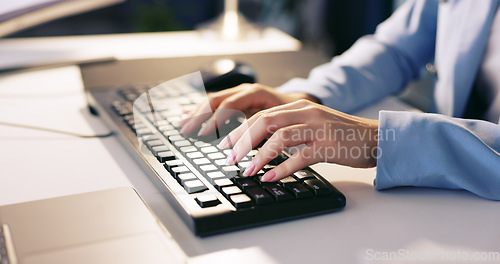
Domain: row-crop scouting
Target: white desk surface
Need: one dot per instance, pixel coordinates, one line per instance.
(441, 226)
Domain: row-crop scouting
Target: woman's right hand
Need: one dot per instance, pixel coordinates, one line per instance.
(248, 98)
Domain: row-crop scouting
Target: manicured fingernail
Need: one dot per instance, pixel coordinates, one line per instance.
(248, 171)
(269, 176)
(223, 143)
(231, 158)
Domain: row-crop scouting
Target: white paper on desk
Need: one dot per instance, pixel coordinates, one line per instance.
(14, 58)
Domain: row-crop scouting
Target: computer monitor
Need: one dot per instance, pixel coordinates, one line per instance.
(16, 15)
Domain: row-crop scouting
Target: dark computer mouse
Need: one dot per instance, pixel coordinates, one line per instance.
(226, 73)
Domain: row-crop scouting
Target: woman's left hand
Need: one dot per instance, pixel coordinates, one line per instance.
(328, 135)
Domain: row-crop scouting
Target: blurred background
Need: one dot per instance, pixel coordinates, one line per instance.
(330, 26)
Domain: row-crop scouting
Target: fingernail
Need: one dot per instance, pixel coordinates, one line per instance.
(231, 158)
(223, 143)
(248, 171)
(269, 176)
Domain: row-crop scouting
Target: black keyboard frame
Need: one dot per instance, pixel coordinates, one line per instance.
(213, 220)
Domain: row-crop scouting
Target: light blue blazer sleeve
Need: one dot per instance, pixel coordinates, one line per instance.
(432, 150)
(415, 149)
(376, 65)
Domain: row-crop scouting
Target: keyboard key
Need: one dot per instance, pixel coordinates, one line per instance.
(252, 153)
(268, 167)
(238, 177)
(209, 149)
(146, 139)
(138, 125)
(287, 180)
(246, 183)
(243, 164)
(184, 101)
(227, 191)
(154, 118)
(176, 138)
(157, 149)
(171, 132)
(216, 156)
(173, 112)
(186, 176)
(201, 161)
(172, 164)
(207, 200)
(304, 175)
(299, 190)
(201, 144)
(241, 200)
(173, 119)
(278, 159)
(220, 163)
(182, 143)
(176, 124)
(260, 196)
(131, 123)
(162, 125)
(317, 186)
(165, 127)
(188, 149)
(153, 143)
(278, 193)
(220, 183)
(212, 176)
(261, 183)
(178, 170)
(143, 132)
(207, 168)
(260, 173)
(231, 171)
(194, 186)
(165, 156)
(194, 155)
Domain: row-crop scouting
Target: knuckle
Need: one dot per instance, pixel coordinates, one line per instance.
(303, 102)
(254, 87)
(258, 88)
(313, 109)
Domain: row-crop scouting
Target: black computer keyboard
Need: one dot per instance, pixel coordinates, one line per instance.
(209, 196)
